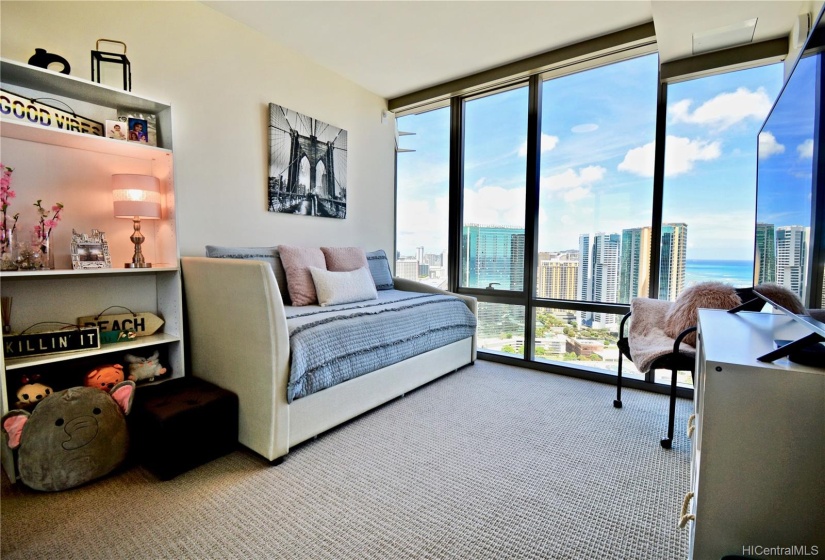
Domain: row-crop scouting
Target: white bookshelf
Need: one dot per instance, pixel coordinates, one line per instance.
(75, 169)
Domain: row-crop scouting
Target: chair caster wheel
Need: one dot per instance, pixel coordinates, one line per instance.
(666, 443)
(617, 403)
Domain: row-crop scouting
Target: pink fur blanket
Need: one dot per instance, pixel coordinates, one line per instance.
(646, 336)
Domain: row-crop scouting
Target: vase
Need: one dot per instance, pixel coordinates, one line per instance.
(46, 256)
(7, 249)
(27, 256)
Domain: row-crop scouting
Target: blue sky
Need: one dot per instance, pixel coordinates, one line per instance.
(596, 160)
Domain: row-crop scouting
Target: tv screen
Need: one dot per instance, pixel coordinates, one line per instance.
(789, 150)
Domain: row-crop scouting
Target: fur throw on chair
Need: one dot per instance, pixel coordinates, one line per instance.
(684, 312)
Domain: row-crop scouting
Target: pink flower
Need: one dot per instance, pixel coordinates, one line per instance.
(57, 208)
(50, 223)
(37, 230)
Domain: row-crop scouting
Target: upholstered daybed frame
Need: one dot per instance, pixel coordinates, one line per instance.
(238, 339)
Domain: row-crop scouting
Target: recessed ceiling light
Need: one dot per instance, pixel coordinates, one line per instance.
(724, 37)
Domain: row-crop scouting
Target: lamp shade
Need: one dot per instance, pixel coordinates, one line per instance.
(136, 196)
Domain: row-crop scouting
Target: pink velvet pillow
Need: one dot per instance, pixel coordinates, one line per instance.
(296, 261)
(344, 259)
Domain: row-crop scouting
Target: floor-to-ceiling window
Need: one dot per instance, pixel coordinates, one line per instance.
(709, 205)
(492, 221)
(560, 199)
(595, 200)
(422, 197)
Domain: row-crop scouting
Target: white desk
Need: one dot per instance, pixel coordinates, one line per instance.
(758, 450)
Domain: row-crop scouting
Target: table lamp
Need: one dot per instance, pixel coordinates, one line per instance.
(136, 197)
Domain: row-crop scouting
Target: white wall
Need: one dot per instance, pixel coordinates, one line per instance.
(219, 77)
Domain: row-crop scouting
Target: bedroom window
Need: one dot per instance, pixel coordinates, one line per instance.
(422, 196)
(710, 177)
(561, 209)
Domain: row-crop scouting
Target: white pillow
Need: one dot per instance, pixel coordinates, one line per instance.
(343, 287)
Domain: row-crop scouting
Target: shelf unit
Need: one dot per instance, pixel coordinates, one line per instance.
(75, 169)
(759, 441)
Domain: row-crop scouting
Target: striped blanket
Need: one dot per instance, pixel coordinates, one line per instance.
(330, 345)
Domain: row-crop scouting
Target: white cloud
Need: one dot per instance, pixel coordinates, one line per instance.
(768, 145)
(494, 205)
(548, 142)
(806, 149)
(680, 156)
(422, 222)
(572, 185)
(586, 127)
(724, 110)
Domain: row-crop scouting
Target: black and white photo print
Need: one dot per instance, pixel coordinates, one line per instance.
(307, 165)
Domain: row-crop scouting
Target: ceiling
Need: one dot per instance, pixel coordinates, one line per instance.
(396, 47)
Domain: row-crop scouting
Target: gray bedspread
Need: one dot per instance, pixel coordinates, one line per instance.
(330, 345)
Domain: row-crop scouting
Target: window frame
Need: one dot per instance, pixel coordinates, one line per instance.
(759, 54)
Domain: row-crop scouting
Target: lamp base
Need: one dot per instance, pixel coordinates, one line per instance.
(133, 265)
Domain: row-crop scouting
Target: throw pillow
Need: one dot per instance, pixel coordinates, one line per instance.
(343, 287)
(297, 261)
(380, 269)
(781, 296)
(705, 295)
(344, 259)
(266, 254)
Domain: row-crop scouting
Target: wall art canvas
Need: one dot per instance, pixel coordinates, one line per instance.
(307, 165)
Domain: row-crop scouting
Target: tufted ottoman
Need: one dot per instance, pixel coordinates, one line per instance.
(182, 423)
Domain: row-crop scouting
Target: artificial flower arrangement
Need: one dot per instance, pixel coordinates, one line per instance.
(8, 224)
(37, 254)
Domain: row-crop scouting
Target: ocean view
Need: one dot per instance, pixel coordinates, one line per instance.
(738, 273)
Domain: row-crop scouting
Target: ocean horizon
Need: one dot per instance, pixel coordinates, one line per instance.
(735, 272)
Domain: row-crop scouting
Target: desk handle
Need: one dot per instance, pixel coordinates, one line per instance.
(684, 515)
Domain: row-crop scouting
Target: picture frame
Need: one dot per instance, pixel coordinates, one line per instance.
(138, 130)
(90, 251)
(116, 130)
(150, 125)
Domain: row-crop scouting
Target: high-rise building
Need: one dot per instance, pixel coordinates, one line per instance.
(492, 255)
(598, 275)
(407, 268)
(419, 255)
(791, 257)
(673, 261)
(764, 266)
(634, 280)
(557, 279)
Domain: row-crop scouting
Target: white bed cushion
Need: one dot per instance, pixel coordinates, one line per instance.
(343, 287)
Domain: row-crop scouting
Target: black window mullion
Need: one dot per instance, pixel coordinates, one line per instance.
(658, 189)
(531, 211)
(456, 190)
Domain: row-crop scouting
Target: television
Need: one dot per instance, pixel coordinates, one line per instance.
(789, 246)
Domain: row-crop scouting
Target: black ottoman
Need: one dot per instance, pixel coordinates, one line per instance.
(182, 423)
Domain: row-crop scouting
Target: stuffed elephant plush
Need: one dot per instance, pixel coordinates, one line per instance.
(73, 436)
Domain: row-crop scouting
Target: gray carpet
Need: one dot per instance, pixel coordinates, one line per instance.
(489, 462)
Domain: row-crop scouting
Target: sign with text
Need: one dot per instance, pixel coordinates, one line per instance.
(31, 111)
(51, 342)
(143, 324)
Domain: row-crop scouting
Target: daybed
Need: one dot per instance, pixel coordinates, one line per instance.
(239, 339)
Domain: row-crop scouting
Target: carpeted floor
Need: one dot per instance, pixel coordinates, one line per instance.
(489, 462)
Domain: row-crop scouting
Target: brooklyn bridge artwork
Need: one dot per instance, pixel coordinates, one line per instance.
(307, 165)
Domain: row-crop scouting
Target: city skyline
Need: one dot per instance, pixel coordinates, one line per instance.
(596, 164)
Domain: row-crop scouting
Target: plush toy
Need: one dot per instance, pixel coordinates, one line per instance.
(144, 368)
(31, 392)
(73, 436)
(104, 377)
